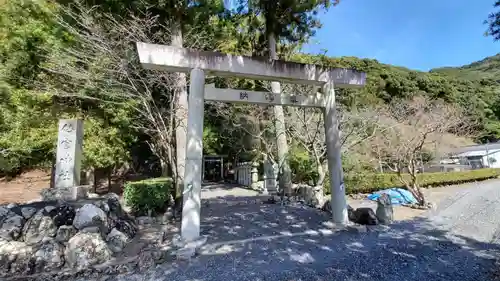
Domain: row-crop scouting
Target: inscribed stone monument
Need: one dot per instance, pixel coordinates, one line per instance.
(270, 176)
(68, 159)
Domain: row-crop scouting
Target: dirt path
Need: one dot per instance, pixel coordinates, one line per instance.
(27, 186)
(23, 188)
(434, 195)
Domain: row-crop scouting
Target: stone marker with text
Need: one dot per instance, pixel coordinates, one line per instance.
(68, 160)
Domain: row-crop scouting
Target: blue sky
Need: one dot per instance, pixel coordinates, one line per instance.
(416, 34)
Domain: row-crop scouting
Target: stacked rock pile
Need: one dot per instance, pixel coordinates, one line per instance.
(49, 235)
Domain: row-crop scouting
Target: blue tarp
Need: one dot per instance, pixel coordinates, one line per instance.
(398, 196)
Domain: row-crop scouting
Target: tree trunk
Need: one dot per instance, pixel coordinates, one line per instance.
(321, 173)
(380, 166)
(413, 185)
(423, 201)
(53, 173)
(285, 180)
(94, 179)
(418, 194)
(181, 109)
(109, 174)
(164, 168)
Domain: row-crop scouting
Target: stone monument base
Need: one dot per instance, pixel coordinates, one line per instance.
(187, 249)
(67, 194)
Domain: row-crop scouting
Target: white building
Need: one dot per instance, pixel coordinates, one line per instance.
(477, 156)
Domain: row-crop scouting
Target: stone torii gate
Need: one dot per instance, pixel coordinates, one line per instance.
(174, 59)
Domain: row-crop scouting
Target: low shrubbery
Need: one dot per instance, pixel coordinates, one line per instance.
(303, 168)
(148, 195)
(368, 183)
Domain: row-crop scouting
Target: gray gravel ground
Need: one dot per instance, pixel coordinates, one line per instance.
(457, 241)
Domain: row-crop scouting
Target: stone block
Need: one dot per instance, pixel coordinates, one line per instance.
(385, 212)
(28, 212)
(357, 228)
(50, 256)
(90, 216)
(185, 253)
(117, 240)
(12, 227)
(40, 225)
(377, 228)
(69, 157)
(86, 249)
(187, 249)
(65, 232)
(72, 193)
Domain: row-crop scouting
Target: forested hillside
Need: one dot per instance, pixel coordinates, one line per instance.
(62, 61)
(475, 87)
(483, 74)
(488, 68)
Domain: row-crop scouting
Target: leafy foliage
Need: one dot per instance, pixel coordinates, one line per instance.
(148, 195)
(104, 146)
(25, 142)
(493, 22)
(27, 131)
(302, 166)
(367, 183)
(477, 96)
(27, 30)
(485, 71)
(30, 107)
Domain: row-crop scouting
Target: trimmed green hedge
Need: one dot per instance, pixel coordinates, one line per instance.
(150, 194)
(375, 182)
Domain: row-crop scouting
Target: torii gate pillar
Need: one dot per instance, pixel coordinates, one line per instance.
(333, 150)
(190, 229)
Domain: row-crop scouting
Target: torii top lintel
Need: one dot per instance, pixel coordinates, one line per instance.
(169, 58)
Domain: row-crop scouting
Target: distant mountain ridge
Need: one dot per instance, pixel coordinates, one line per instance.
(487, 68)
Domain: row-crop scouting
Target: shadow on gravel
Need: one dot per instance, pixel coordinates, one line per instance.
(273, 242)
(248, 241)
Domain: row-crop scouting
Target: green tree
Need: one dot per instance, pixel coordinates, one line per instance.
(288, 22)
(30, 35)
(28, 131)
(27, 31)
(182, 23)
(493, 22)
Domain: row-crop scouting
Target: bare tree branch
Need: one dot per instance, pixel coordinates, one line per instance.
(101, 64)
(413, 130)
